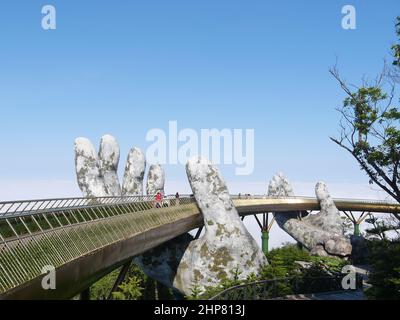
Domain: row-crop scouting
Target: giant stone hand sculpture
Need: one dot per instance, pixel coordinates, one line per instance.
(97, 177)
(87, 166)
(134, 173)
(226, 244)
(322, 233)
(155, 180)
(179, 263)
(97, 173)
(108, 160)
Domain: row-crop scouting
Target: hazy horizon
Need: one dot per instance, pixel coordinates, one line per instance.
(125, 68)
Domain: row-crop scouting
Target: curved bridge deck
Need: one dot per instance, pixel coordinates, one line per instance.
(84, 239)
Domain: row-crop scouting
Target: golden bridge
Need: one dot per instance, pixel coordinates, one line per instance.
(85, 239)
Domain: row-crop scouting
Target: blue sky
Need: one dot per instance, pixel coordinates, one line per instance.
(125, 67)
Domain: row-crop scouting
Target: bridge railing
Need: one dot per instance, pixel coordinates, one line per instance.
(22, 218)
(260, 197)
(37, 233)
(26, 207)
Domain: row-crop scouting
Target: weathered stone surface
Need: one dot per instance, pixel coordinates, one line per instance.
(321, 233)
(226, 244)
(109, 159)
(162, 262)
(134, 173)
(87, 166)
(155, 180)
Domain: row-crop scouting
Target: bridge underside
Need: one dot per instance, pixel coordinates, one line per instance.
(138, 232)
(77, 275)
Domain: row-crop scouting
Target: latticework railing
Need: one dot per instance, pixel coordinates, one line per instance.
(35, 234)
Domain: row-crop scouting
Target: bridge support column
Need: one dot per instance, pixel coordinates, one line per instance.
(265, 241)
(198, 234)
(356, 222)
(357, 231)
(265, 228)
(121, 277)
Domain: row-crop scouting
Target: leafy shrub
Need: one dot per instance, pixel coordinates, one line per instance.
(130, 290)
(385, 275)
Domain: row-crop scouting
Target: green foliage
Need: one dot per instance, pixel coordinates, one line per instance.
(283, 264)
(374, 120)
(330, 264)
(101, 289)
(137, 286)
(371, 133)
(364, 103)
(196, 293)
(385, 277)
(370, 127)
(130, 290)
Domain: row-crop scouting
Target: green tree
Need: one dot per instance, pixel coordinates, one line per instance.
(385, 277)
(370, 132)
(369, 129)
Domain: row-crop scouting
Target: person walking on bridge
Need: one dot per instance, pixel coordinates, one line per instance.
(158, 202)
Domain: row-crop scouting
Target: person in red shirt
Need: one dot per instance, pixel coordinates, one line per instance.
(158, 199)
